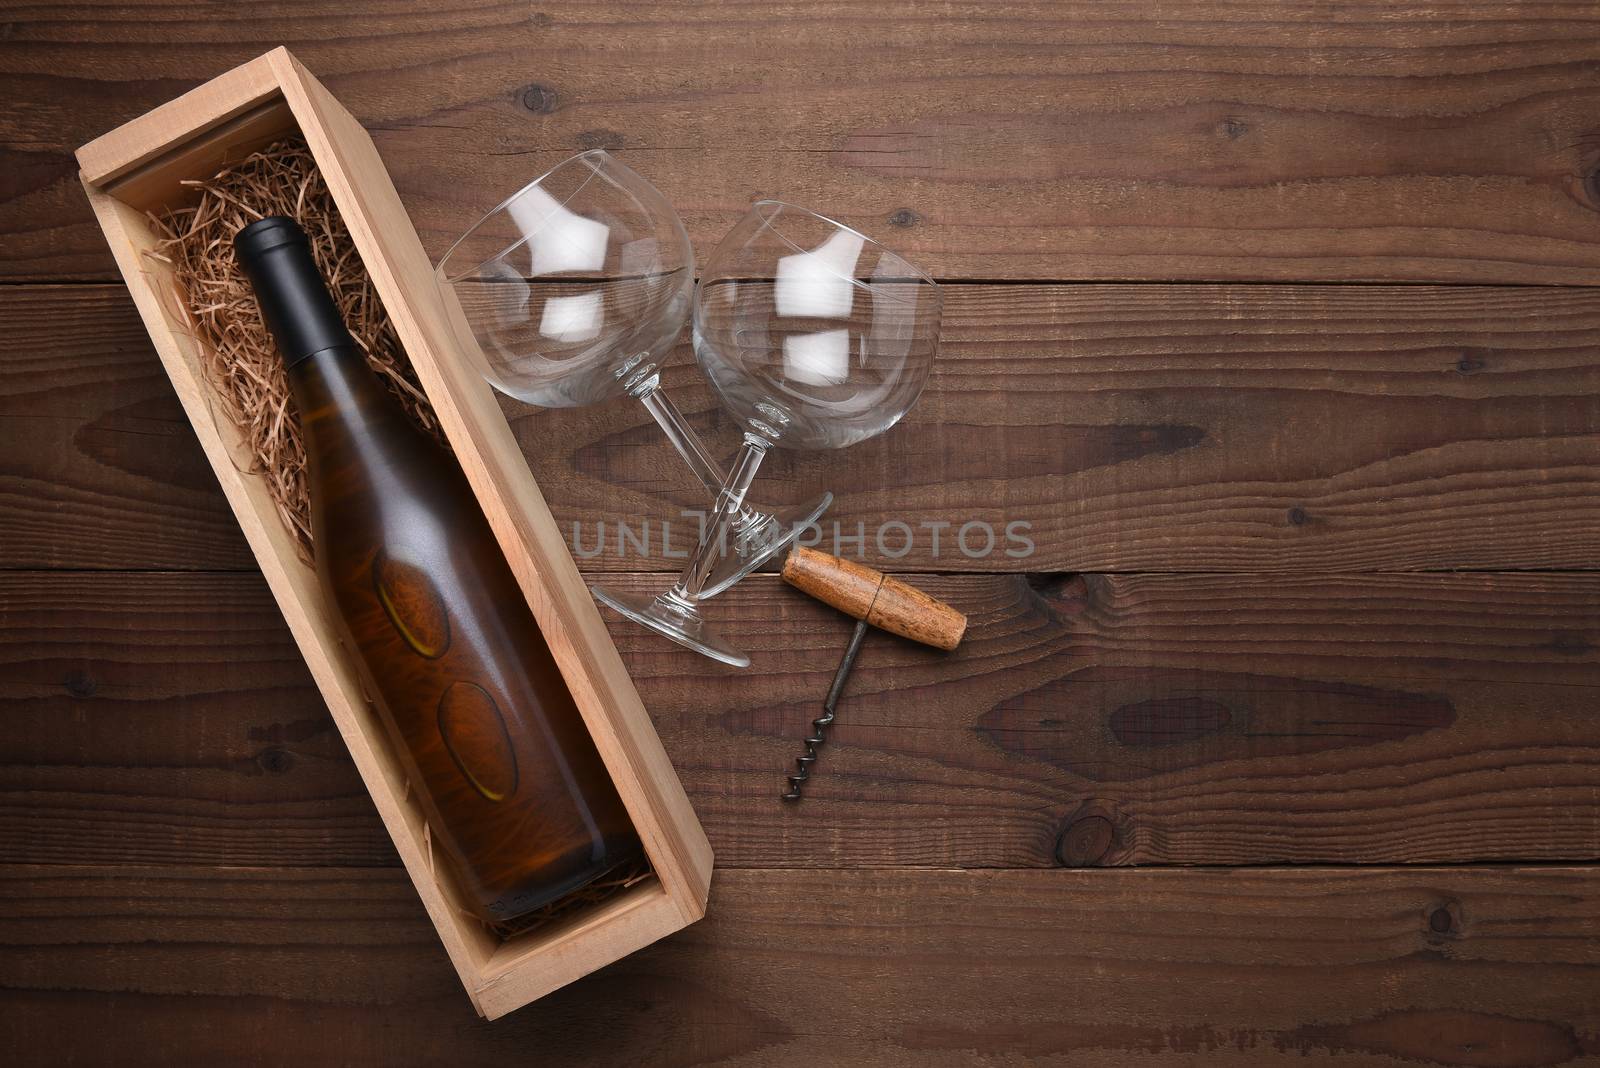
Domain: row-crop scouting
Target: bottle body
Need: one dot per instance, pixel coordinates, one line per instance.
(457, 668)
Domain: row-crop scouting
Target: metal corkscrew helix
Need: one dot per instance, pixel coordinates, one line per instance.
(820, 725)
(873, 599)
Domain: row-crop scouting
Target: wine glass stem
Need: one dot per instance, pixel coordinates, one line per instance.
(730, 498)
(693, 451)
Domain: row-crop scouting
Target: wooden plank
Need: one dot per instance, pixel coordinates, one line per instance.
(1130, 428)
(98, 463)
(1128, 140)
(1105, 720)
(1384, 967)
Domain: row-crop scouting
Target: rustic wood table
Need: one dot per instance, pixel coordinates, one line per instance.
(1271, 321)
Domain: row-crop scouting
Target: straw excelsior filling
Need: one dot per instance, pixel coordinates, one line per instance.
(216, 305)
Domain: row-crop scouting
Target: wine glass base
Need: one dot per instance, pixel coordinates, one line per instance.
(749, 551)
(668, 619)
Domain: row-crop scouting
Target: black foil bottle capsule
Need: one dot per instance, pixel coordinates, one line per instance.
(507, 774)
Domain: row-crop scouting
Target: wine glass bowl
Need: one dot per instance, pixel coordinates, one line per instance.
(574, 285)
(813, 335)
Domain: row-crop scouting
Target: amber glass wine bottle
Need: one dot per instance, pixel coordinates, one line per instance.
(508, 776)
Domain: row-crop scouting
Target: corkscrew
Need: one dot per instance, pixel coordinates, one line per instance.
(873, 599)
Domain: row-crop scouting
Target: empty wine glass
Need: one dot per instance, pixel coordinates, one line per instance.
(815, 337)
(573, 290)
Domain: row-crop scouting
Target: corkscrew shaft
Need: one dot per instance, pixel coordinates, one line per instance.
(820, 725)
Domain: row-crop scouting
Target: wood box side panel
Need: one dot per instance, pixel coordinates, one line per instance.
(493, 463)
(294, 587)
(184, 120)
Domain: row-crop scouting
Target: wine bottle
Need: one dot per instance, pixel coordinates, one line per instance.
(507, 774)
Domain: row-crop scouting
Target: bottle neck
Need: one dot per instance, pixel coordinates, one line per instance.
(335, 386)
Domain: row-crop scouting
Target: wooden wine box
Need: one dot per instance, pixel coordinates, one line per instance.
(139, 168)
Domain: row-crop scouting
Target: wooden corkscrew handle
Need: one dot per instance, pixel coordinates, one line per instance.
(867, 594)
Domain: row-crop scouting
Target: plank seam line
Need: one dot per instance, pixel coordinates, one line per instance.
(109, 282)
(1136, 573)
(1584, 864)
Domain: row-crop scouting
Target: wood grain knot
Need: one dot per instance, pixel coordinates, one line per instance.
(1232, 128)
(1062, 592)
(1088, 836)
(904, 218)
(1298, 516)
(275, 761)
(539, 99)
(1052, 583)
(1471, 362)
(1443, 918)
(1059, 595)
(79, 684)
(541, 20)
(1569, 643)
